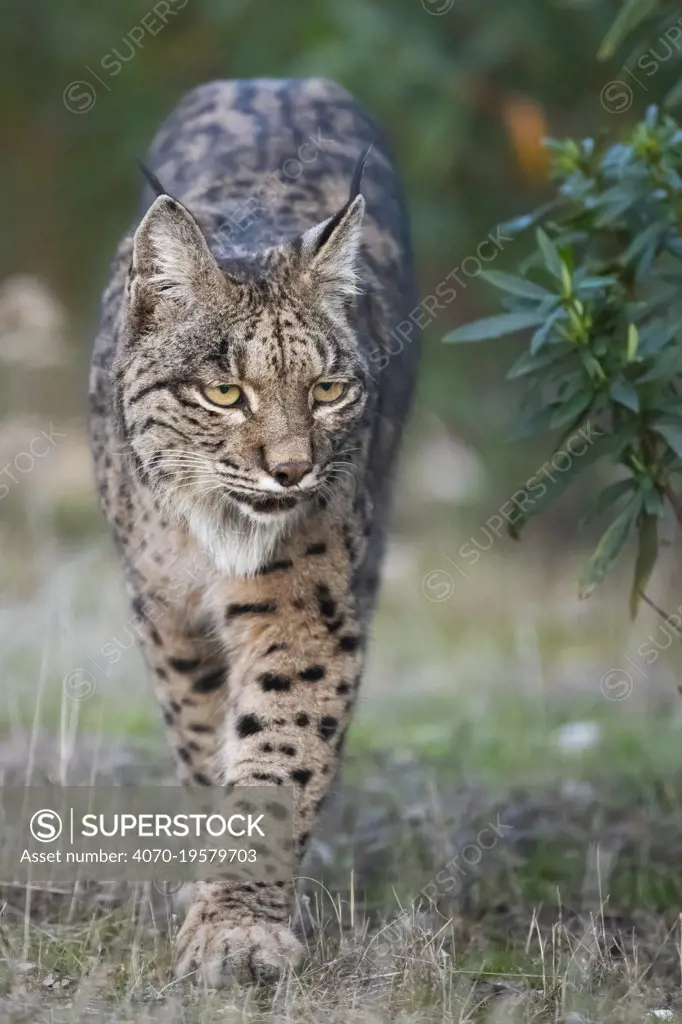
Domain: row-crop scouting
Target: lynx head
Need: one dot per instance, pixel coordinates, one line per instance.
(240, 385)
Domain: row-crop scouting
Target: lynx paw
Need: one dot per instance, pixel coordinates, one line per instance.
(244, 949)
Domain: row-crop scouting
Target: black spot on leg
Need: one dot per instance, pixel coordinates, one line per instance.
(169, 717)
(348, 543)
(201, 779)
(343, 688)
(302, 719)
(327, 727)
(184, 664)
(287, 749)
(284, 563)
(200, 727)
(266, 748)
(246, 806)
(316, 549)
(349, 643)
(256, 608)
(302, 776)
(326, 603)
(279, 684)
(210, 682)
(177, 708)
(249, 725)
(312, 674)
(161, 673)
(267, 777)
(184, 755)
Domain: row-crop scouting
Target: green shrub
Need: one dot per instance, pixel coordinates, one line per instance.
(602, 293)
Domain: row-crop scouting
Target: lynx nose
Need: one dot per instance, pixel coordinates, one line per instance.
(289, 473)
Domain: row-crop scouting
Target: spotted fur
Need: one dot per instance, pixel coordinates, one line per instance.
(254, 591)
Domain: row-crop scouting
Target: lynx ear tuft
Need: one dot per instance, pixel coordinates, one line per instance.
(172, 264)
(331, 252)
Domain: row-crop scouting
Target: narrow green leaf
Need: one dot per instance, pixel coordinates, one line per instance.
(515, 285)
(646, 559)
(566, 281)
(612, 211)
(548, 482)
(575, 406)
(606, 498)
(517, 224)
(631, 14)
(543, 332)
(565, 249)
(671, 432)
(669, 408)
(550, 254)
(672, 99)
(591, 284)
(665, 365)
(529, 362)
(651, 235)
(592, 365)
(609, 547)
(632, 343)
(494, 327)
(624, 393)
(653, 502)
(651, 115)
(531, 424)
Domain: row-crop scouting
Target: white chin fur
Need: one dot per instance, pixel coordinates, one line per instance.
(241, 548)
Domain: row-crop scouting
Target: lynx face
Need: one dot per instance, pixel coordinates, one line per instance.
(239, 391)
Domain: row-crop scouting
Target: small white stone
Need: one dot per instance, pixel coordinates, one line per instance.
(578, 736)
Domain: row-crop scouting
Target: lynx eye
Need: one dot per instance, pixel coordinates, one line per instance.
(223, 394)
(329, 390)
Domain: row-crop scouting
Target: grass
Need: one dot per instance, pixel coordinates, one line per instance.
(113, 965)
(484, 706)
